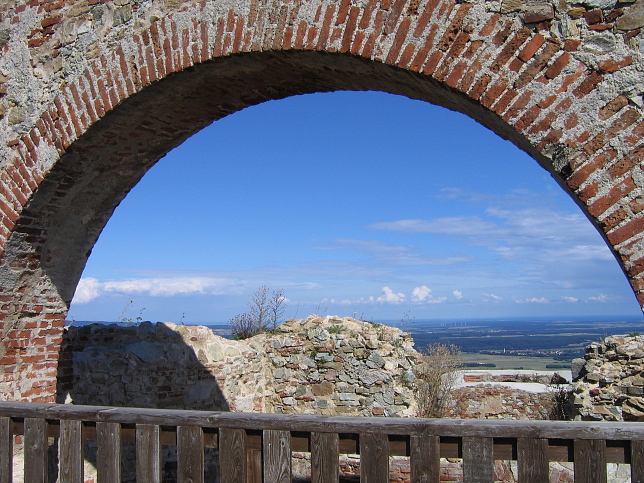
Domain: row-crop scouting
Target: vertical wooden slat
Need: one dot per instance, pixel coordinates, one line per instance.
(232, 455)
(425, 458)
(590, 461)
(374, 458)
(108, 458)
(325, 458)
(532, 459)
(35, 450)
(277, 456)
(478, 460)
(637, 461)
(255, 473)
(71, 452)
(148, 453)
(190, 454)
(6, 451)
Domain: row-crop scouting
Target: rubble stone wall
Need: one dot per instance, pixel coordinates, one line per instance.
(609, 381)
(316, 365)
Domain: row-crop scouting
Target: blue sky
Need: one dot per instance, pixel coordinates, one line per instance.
(354, 203)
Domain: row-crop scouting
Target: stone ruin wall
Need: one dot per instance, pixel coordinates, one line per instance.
(316, 365)
(608, 383)
(332, 365)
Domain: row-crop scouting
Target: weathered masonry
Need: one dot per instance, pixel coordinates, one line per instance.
(94, 92)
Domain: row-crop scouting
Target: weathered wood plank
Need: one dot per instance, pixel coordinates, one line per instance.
(148, 453)
(254, 466)
(108, 458)
(340, 424)
(190, 455)
(637, 461)
(71, 452)
(232, 455)
(325, 457)
(425, 458)
(532, 460)
(277, 456)
(478, 460)
(374, 458)
(6, 451)
(590, 461)
(35, 450)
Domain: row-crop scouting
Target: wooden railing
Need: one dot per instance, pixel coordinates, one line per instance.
(258, 447)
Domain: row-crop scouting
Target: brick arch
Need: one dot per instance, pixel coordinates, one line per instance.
(105, 90)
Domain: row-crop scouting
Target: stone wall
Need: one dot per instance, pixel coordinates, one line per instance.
(609, 380)
(316, 365)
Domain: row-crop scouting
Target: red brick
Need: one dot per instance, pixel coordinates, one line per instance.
(616, 218)
(614, 196)
(531, 48)
(634, 158)
(479, 88)
(349, 29)
(510, 48)
(401, 35)
(587, 85)
(580, 175)
(406, 56)
(636, 267)
(518, 105)
(613, 107)
(557, 66)
(571, 45)
(528, 118)
(588, 192)
(627, 231)
(503, 103)
(537, 65)
(368, 10)
(547, 102)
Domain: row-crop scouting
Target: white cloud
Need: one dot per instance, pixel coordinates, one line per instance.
(438, 300)
(458, 294)
(390, 297)
(534, 300)
(421, 293)
(488, 296)
(87, 290)
(90, 288)
(571, 299)
(599, 298)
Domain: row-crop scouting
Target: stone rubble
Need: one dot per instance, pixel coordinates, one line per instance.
(608, 383)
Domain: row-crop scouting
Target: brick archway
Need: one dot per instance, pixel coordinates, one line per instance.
(94, 93)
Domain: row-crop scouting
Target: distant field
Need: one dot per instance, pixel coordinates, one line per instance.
(511, 362)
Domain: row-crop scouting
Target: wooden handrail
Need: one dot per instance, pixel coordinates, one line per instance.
(489, 428)
(258, 446)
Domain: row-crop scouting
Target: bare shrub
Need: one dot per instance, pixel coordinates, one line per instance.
(436, 373)
(264, 313)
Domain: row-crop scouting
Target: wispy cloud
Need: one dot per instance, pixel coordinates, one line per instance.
(533, 300)
(599, 298)
(396, 255)
(90, 288)
(458, 294)
(571, 300)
